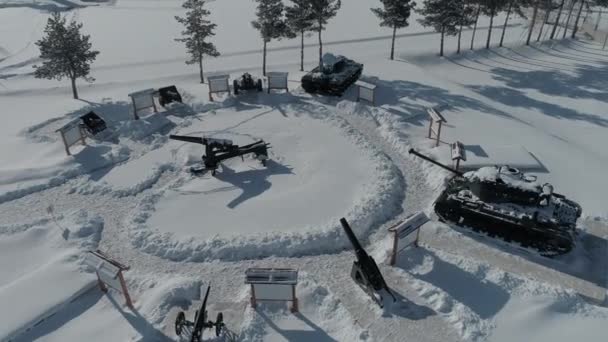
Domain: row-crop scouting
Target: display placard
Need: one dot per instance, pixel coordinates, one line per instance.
(366, 91)
(72, 134)
(273, 292)
(273, 284)
(218, 84)
(406, 233)
(107, 272)
(277, 80)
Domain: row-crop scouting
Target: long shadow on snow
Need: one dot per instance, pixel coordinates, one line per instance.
(61, 6)
(399, 98)
(315, 334)
(63, 317)
(405, 308)
(147, 331)
(586, 261)
(252, 182)
(516, 98)
(485, 298)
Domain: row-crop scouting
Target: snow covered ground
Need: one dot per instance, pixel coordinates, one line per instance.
(130, 194)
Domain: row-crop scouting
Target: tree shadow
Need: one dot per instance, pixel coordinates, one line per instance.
(315, 333)
(252, 182)
(146, 330)
(485, 298)
(517, 98)
(63, 317)
(403, 98)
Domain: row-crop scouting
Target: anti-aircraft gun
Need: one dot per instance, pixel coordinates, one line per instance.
(200, 322)
(365, 272)
(217, 150)
(503, 202)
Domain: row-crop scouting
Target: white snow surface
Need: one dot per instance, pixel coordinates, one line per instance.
(329, 158)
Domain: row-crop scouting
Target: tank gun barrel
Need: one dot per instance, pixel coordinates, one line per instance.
(418, 154)
(195, 140)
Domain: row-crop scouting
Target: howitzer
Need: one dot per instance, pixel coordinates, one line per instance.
(365, 271)
(414, 152)
(217, 150)
(200, 322)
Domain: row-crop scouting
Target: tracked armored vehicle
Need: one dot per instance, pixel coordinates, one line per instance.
(502, 202)
(335, 76)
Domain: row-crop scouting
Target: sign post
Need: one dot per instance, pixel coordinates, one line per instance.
(406, 234)
(458, 154)
(366, 91)
(435, 126)
(143, 99)
(277, 80)
(109, 274)
(273, 284)
(218, 84)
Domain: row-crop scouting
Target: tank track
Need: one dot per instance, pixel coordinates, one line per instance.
(548, 239)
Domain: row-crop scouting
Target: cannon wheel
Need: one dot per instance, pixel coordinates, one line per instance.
(219, 324)
(259, 85)
(180, 321)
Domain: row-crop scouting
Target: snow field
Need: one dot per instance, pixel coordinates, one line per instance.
(43, 272)
(356, 180)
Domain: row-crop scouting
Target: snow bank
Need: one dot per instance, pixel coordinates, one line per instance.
(321, 317)
(250, 227)
(40, 268)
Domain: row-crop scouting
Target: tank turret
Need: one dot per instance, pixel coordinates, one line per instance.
(502, 201)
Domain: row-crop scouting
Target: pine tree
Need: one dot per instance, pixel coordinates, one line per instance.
(518, 7)
(394, 14)
(572, 4)
(299, 19)
(534, 14)
(601, 4)
(468, 16)
(443, 16)
(491, 8)
(547, 6)
(477, 3)
(559, 14)
(322, 11)
(197, 31)
(271, 24)
(65, 52)
(578, 17)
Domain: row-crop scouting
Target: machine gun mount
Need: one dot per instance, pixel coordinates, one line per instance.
(245, 83)
(365, 271)
(200, 322)
(217, 150)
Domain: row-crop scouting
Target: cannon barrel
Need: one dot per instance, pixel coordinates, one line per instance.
(195, 140)
(414, 152)
(353, 239)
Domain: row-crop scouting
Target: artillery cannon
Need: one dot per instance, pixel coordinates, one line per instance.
(365, 271)
(245, 83)
(502, 202)
(217, 150)
(200, 322)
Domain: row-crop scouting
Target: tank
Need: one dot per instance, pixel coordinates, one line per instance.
(505, 203)
(335, 76)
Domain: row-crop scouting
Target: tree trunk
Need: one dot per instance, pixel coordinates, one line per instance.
(475, 27)
(302, 51)
(393, 43)
(559, 14)
(542, 26)
(568, 20)
(320, 48)
(504, 27)
(442, 38)
(74, 90)
(533, 22)
(264, 59)
(599, 17)
(578, 17)
(459, 36)
(200, 69)
(490, 30)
